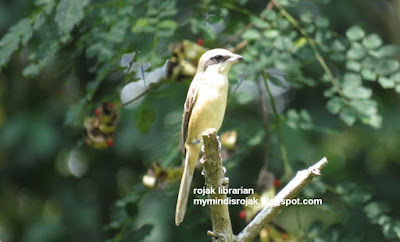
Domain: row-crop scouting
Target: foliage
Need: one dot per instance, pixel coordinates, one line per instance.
(70, 52)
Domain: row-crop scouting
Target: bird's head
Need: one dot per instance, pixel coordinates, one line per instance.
(217, 60)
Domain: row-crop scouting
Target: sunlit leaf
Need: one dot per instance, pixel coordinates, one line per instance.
(271, 33)
(20, 32)
(306, 16)
(386, 67)
(388, 51)
(368, 74)
(69, 13)
(322, 22)
(355, 33)
(353, 66)
(386, 82)
(348, 116)
(355, 53)
(251, 34)
(335, 104)
(372, 41)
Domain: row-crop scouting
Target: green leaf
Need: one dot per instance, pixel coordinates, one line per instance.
(286, 63)
(368, 112)
(68, 14)
(166, 28)
(351, 79)
(396, 77)
(335, 104)
(251, 34)
(31, 70)
(372, 41)
(283, 43)
(292, 118)
(143, 25)
(282, 24)
(374, 120)
(348, 116)
(259, 23)
(330, 92)
(353, 66)
(365, 107)
(375, 209)
(48, 3)
(352, 87)
(386, 67)
(356, 53)
(300, 120)
(271, 33)
(355, 33)
(388, 51)
(369, 62)
(338, 46)
(368, 74)
(386, 82)
(306, 120)
(20, 32)
(117, 31)
(306, 17)
(310, 28)
(338, 57)
(397, 89)
(269, 15)
(288, 3)
(322, 22)
(391, 229)
(168, 24)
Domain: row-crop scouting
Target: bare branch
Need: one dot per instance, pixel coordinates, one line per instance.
(215, 178)
(294, 187)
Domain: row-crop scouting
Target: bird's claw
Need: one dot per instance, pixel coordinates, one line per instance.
(219, 143)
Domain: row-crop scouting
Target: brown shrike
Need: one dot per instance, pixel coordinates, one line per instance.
(204, 109)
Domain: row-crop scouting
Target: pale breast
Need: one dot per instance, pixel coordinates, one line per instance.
(209, 109)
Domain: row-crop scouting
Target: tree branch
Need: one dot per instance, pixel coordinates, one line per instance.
(215, 178)
(294, 187)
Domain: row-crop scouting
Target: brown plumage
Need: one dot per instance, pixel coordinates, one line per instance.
(204, 109)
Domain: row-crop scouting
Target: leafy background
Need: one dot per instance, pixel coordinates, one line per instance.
(320, 78)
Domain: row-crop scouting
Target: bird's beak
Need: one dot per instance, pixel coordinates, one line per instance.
(235, 58)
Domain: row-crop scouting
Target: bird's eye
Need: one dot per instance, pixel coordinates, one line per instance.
(218, 57)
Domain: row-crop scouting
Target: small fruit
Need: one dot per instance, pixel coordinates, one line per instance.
(97, 112)
(110, 142)
(242, 214)
(277, 183)
(200, 42)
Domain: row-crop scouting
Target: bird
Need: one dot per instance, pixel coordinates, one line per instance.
(204, 108)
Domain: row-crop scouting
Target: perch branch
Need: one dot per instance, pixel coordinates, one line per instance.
(215, 178)
(294, 187)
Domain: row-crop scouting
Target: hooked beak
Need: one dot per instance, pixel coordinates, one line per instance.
(235, 58)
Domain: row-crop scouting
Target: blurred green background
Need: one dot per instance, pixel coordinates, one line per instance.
(54, 187)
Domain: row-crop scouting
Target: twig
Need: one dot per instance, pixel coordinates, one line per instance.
(285, 159)
(236, 35)
(215, 178)
(264, 109)
(294, 187)
(317, 53)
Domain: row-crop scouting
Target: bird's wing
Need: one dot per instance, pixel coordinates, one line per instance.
(187, 109)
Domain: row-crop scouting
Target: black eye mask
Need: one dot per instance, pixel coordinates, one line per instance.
(215, 60)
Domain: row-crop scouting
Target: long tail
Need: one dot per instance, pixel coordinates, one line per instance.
(192, 154)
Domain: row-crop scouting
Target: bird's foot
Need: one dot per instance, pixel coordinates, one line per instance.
(219, 143)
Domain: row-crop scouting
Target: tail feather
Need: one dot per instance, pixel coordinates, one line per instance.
(190, 161)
